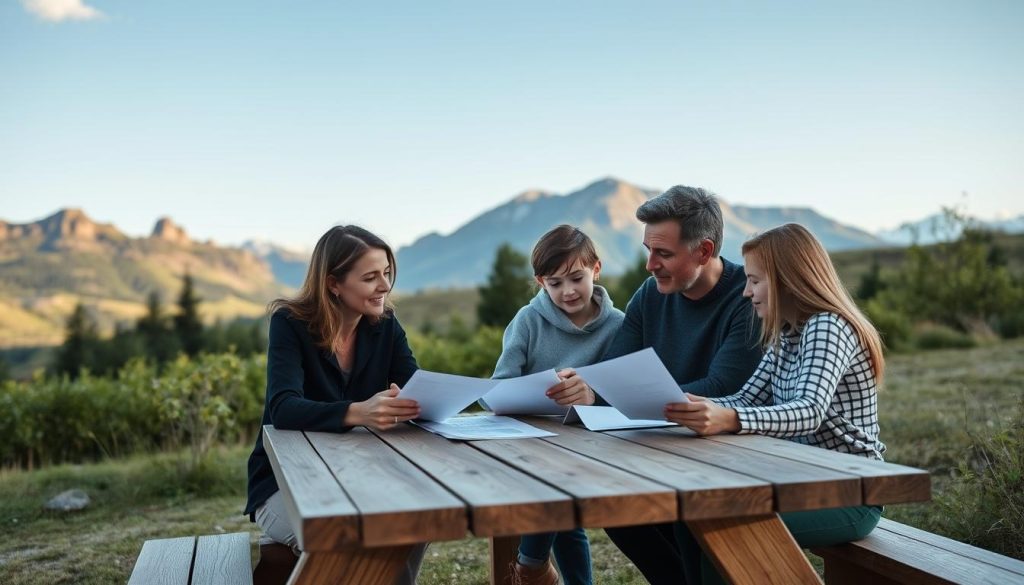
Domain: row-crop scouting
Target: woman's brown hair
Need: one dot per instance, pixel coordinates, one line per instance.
(335, 254)
(800, 272)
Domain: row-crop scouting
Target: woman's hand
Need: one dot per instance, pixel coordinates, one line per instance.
(571, 390)
(382, 411)
(702, 416)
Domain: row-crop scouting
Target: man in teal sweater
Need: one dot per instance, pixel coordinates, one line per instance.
(692, 312)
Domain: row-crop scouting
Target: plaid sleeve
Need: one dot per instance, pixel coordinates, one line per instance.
(827, 347)
(757, 390)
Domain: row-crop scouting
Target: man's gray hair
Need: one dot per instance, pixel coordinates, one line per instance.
(696, 210)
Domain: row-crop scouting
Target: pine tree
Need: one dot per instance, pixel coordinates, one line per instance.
(508, 288)
(187, 325)
(155, 330)
(630, 282)
(80, 340)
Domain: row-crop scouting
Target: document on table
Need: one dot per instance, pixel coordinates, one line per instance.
(471, 428)
(606, 418)
(524, 395)
(442, 396)
(636, 384)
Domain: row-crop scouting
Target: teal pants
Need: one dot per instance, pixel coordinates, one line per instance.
(810, 529)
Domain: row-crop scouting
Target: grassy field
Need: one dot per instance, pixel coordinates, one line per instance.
(932, 402)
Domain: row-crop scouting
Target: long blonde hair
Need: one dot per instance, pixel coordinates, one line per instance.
(799, 271)
(335, 254)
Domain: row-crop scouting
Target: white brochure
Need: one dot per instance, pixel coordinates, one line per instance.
(469, 428)
(442, 396)
(637, 384)
(524, 395)
(606, 418)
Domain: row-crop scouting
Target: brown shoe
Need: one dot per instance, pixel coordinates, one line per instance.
(526, 575)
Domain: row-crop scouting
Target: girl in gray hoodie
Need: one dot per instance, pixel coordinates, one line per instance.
(570, 323)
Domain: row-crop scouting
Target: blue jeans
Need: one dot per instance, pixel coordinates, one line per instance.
(572, 553)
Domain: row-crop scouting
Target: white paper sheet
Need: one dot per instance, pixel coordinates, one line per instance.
(637, 384)
(606, 418)
(469, 428)
(524, 395)
(442, 396)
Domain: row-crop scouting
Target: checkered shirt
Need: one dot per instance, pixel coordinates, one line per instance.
(817, 388)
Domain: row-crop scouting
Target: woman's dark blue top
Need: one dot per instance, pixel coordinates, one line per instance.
(306, 390)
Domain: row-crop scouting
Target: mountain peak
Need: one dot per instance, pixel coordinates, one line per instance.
(165, 229)
(531, 195)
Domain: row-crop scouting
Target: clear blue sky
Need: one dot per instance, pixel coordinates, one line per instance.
(275, 120)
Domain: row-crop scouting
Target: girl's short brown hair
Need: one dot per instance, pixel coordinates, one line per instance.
(563, 245)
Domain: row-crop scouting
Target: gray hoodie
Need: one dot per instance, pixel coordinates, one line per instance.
(541, 337)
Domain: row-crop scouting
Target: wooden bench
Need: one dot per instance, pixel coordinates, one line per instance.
(897, 553)
(222, 559)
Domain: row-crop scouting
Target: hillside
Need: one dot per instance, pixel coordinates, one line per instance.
(48, 266)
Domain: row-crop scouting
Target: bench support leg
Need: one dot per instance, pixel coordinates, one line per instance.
(755, 549)
(504, 552)
(357, 566)
(842, 572)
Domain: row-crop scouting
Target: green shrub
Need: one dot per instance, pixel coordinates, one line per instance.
(985, 503)
(932, 336)
(892, 325)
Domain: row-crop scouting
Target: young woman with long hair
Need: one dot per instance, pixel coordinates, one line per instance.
(816, 384)
(337, 357)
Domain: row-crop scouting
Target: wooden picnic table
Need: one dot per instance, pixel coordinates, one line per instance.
(359, 500)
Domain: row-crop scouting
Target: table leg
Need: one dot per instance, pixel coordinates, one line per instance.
(358, 566)
(755, 549)
(504, 551)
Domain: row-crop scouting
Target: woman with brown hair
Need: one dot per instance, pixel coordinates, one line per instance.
(816, 384)
(337, 358)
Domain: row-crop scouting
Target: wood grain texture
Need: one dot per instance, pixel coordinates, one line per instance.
(753, 550)
(908, 555)
(166, 561)
(504, 551)
(501, 499)
(797, 485)
(321, 513)
(604, 495)
(398, 503)
(705, 491)
(223, 559)
(882, 483)
(356, 566)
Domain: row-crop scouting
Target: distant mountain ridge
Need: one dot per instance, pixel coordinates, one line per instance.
(937, 227)
(48, 266)
(605, 210)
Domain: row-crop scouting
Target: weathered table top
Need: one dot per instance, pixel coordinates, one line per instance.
(360, 496)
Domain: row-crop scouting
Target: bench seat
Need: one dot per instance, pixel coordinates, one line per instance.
(222, 559)
(897, 553)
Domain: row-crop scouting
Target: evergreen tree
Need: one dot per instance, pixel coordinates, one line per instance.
(508, 288)
(155, 330)
(80, 340)
(871, 283)
(630, 282)
(187, 325)
(5, 370)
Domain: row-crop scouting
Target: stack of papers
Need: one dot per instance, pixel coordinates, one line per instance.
(637, 385)
(469, 428)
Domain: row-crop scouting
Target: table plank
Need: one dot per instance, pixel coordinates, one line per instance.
(397, 502)
(605, 495)
(882, 483)
(705, 491)
(322, 515)
(502, 500)
(797, 485)
(753, 550)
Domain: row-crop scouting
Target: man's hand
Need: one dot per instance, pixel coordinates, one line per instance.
(382, 411)
(702, 416)
(571, 390)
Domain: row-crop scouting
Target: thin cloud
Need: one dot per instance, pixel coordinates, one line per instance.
(61, 10)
